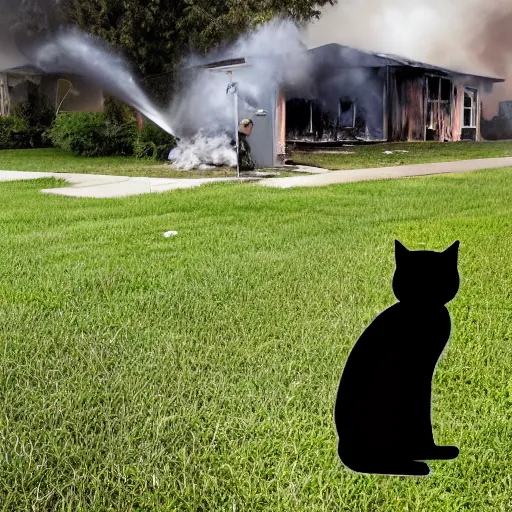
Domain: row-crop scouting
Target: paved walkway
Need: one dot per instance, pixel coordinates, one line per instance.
(101, 186)
(384, 173)
(95, 185)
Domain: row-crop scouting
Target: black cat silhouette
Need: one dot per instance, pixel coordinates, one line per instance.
(383, 407)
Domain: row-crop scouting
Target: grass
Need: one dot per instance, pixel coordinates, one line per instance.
(198, 373)
(418, 153)
(58, 160)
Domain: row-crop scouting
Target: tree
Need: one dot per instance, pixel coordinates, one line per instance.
(207, 23)
(146, 33)
(154, 34)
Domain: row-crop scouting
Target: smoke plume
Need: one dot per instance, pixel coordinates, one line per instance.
(276, 52)
(202, 152)
(471, 36)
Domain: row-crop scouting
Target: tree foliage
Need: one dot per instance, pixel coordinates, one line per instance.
(146, 32)
(153, 34)
(207, 23)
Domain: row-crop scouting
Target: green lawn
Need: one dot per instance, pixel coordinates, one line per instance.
(418, 153)
(58, 160)
(199, 372)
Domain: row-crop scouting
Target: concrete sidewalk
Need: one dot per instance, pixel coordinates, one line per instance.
(101, 186)
(384, 173)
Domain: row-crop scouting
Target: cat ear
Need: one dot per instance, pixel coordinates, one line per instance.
(400, 251)
(453, 250)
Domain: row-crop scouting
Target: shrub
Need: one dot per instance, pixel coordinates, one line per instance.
(145, 149)
(117, 112)
(27, 125)
(37, 115)
(153, 142)
(119, 139)
(111, 132)
(90, 134)
(13, 133)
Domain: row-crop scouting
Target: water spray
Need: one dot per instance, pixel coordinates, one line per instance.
(72, 51)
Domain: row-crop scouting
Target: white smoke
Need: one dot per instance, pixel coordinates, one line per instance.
(471, 36)
(277, 53)
(203, 152)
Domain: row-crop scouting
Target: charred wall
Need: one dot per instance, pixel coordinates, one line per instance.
(394, 103)
(433, 107)
(348, 105)
(407, 112)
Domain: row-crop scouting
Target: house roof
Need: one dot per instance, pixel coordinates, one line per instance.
(338, 56)
(24, 70)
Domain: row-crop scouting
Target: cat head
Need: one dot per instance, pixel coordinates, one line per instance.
(426, 276)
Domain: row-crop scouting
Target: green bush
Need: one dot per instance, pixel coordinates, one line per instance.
(37, 116)
(153, 142)
(91, 134)
(111, 132)
(117, 112)
(145, 149)
(13, 133)
(27, 125)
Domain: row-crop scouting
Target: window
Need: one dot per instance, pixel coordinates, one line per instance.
(470, 104)
(347, 113)
(438, 100)
(439, 90)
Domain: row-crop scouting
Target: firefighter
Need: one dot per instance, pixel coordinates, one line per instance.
(244, 152)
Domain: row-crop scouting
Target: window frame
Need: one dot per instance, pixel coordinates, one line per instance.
(473, 94)
(353, 108)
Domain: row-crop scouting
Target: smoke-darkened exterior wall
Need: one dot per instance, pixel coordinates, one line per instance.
(340, 106)
(393, 103)
(406, 107)
(417, 112)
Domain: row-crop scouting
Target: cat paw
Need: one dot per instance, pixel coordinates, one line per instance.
(440, 453)
(413, 468)
(400, 468)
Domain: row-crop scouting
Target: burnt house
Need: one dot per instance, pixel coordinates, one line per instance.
(355, 95)
(346, 95)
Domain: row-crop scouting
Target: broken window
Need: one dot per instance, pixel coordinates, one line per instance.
(446, 90)
(347, 113)
(433, 88)
(304, 119)
(439, 89)
(439, 97)
(470, 106)
(298, 118)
